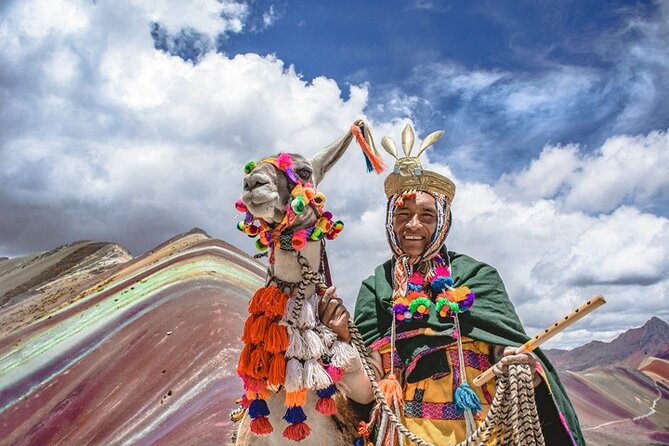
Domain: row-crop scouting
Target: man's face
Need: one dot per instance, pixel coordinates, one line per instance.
(414, 223)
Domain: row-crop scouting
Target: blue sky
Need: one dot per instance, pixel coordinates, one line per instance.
(129, 123)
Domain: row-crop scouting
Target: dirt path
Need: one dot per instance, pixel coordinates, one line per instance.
(651, 412)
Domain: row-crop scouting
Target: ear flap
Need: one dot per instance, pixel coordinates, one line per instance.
(326, 158)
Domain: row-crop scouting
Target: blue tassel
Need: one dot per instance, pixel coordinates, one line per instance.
(369, 163)
(359, 442)
(327, 392)
(466, 398)
(258, 408)
(294, 415)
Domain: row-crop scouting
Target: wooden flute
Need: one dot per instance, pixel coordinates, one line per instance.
(548, 333)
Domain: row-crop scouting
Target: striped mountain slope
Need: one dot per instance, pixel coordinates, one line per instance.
(109, 349)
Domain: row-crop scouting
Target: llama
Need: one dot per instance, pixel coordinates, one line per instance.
(279, 193)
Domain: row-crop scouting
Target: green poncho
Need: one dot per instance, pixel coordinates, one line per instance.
(492, 319)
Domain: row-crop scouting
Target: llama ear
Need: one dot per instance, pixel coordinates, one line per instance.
(326, 158)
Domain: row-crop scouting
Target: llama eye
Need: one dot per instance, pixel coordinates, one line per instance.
(304, 173)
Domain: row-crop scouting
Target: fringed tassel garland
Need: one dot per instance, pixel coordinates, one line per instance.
(262, 360)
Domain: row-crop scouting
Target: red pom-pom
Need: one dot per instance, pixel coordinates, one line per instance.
(326, 406)
(261, 426)
(297, 431)
(245, 402)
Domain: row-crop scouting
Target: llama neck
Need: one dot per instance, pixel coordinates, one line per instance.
(286, 266)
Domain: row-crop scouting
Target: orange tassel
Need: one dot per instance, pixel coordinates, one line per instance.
(259, 329)
(246, 336)
(258, 364)
(297, 398)
(244, 360)
(257, 302)
(276, 340)
(391, 389)
(276, 304)
(277, 370)
(297, 431)
(377, 163)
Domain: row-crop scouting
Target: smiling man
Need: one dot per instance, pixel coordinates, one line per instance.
(434, 319)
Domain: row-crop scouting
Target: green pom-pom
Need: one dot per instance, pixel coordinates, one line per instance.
(241, 226)
(440, 304)
(297, 205)
(455, 308)
(413, 306)
(317, 234)
(260, 246)
(248, 167)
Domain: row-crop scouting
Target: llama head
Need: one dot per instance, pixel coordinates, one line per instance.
(267, 188)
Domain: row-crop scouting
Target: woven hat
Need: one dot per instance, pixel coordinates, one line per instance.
(408, 174)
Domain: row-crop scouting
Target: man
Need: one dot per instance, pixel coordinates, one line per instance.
(428, 314)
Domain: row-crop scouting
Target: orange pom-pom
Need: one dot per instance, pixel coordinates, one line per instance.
(277, 370)
(261, 426)
(296, 398)
(326, 406)
(297, 431)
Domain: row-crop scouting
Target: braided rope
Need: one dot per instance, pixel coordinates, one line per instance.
(512, 416)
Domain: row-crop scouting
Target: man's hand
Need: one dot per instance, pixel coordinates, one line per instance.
(333, 314)
(510, 357)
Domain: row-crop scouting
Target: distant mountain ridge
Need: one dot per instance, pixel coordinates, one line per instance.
(628, 350)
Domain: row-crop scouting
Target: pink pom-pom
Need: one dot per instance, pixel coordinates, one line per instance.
(416, 278)
(326, 406)
(335, 373)
(245, 402)
(442, 271)
(284, 161)
(240, 206)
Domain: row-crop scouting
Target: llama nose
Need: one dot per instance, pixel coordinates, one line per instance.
(252, 181)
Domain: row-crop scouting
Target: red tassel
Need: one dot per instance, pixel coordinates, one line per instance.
(377, 163)
(261, 426)
(297, 431)
(326, 406)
